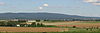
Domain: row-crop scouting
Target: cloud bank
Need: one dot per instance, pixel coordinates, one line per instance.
(94, 2)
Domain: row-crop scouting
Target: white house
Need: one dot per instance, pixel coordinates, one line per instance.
(31, 21)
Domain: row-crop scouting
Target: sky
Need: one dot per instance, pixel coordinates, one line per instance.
(71, 7)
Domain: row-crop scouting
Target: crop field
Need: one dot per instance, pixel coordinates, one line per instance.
(61, 23)
(31, 29)
(58, 27)
(79, 26)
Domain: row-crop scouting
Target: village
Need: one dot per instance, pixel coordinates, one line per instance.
(20, 23)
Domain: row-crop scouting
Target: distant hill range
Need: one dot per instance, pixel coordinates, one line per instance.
(44, 16)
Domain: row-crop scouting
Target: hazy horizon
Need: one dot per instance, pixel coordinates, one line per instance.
(70, 7)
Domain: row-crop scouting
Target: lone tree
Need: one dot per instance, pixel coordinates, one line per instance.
(37, 20)
(74, 26)
(33, 24)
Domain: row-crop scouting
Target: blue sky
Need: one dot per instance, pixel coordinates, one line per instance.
(72, 7)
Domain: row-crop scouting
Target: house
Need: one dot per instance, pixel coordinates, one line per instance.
(30, 21)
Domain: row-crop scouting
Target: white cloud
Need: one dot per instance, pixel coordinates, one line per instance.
(46, 5)
(40, 8)
(90, 1)
(94, 2)
(43, 6)
(2, 3)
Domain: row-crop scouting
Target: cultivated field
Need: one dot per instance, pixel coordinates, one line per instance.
(87, 26)
(61, 23)
(57, 27)
(31, 29)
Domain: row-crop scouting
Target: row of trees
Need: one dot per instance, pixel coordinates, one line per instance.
(10, 23)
